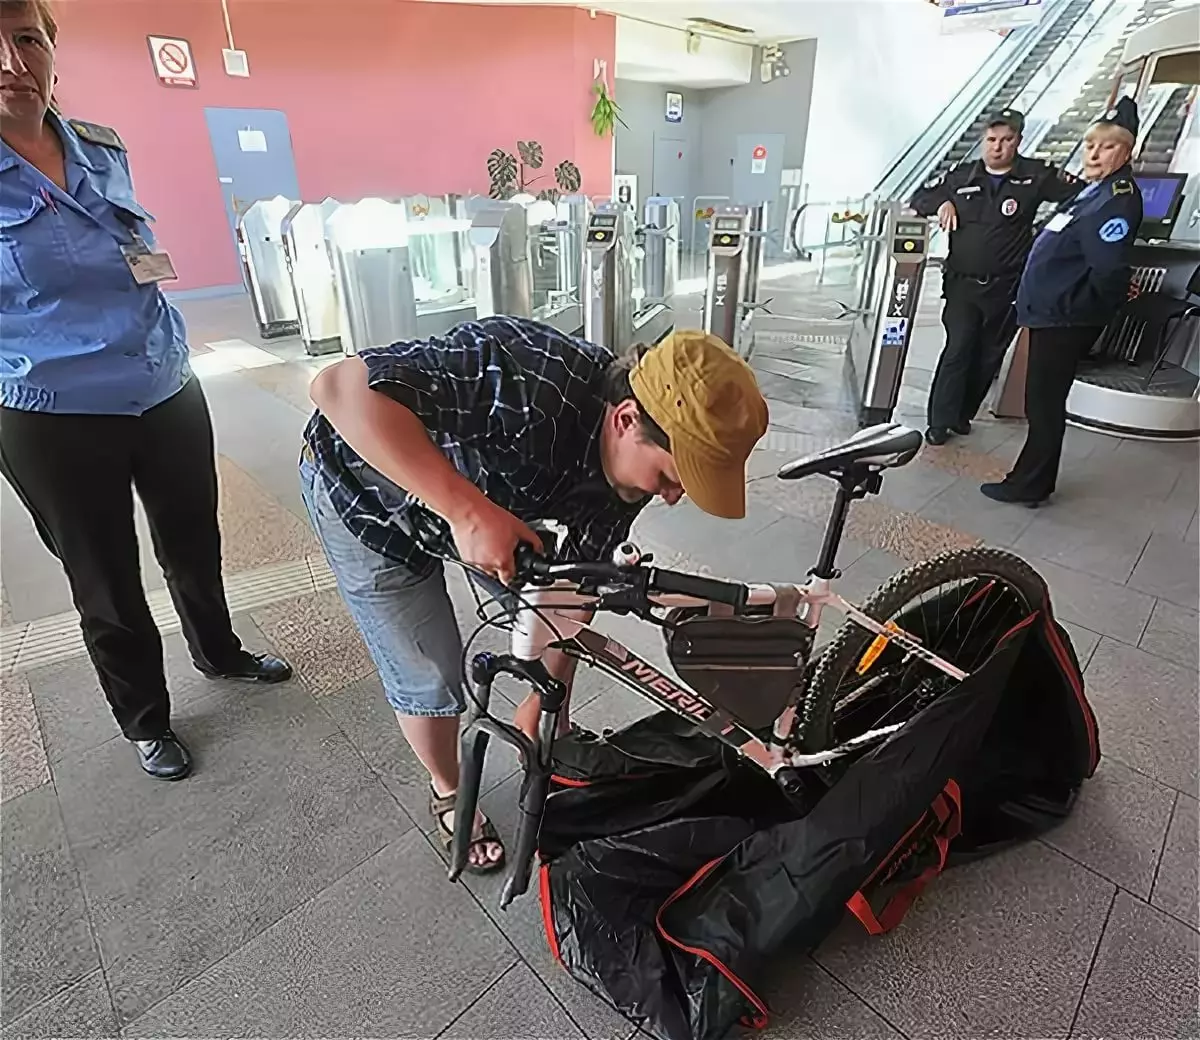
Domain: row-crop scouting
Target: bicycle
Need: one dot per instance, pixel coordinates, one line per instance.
(798, 712)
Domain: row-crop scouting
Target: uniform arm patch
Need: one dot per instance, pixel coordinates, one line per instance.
(1114, 230)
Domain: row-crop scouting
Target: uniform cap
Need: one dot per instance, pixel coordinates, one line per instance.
(1124, 114)
(1009, 117)
(707, 401)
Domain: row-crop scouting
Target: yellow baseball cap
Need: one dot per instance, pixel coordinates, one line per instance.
(707, 401)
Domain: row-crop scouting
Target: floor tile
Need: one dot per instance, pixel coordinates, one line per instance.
(1139, 479)
(1083, 640)
(364, 715)
(1118, 826)
(317, 634)
(962, 506)
(807, 1003)
(47, 941)
(1144, 980)
(1175, 515)
(1099, 605)
(522, 923)
(280, 805)
(911, 487)
(255, 528)
(82, 1012)
(785, 551)
(1000, 947)
(22, 750)
(1175, 888)
(1107, 546)
(1173, 633)
(1169, 568)
(389, 950)
(519, 1005)
(75, 715)
(1147, 712)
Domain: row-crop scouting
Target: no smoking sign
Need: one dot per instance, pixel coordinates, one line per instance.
(172, 59)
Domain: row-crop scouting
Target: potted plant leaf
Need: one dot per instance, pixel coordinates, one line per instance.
(510, 174)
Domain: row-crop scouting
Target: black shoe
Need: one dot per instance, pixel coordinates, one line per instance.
(937, 436)
(1005, 492)
(963, 429)
(260, 668)
(165, 758)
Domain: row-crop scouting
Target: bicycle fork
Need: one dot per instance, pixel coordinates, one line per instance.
(536, 760)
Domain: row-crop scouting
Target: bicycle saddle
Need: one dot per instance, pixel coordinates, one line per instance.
(875, 448)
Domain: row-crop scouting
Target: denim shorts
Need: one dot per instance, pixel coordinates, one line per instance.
(407, 620)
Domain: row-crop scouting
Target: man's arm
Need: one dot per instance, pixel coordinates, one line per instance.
(935, 191)
(394, 440)
(1057, 186)
(1108, 240)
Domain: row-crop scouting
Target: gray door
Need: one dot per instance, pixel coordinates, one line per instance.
(671, 161)
(253, 151)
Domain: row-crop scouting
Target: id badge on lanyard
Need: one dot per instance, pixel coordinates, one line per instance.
(147, 265)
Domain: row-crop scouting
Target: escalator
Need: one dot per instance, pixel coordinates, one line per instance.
(1015, 83)
(1061, 142)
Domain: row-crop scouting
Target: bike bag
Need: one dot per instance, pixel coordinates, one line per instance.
(686, 881)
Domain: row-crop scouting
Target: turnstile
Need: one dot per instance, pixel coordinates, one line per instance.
(499, 238)
(314, 281)
(260, 246)
(608, 276)
(660, 237)
(725, 314)
(896, 248)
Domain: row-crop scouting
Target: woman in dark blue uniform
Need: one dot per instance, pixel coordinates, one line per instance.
(96, 398)
(1075, 281)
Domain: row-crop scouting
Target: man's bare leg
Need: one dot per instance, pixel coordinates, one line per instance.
(434, 741)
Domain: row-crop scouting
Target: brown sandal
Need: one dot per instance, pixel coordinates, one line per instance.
(439, 806)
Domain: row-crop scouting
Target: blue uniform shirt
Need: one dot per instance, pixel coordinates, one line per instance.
(77, 333)
(1079, 269)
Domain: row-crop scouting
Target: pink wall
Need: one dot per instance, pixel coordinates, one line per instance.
(383, 97)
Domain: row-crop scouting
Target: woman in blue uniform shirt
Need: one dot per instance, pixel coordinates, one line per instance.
(96, 397)
(1075, 281)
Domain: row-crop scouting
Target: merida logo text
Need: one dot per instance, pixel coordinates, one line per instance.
(660, 684)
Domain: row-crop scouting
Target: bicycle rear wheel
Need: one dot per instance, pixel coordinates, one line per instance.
(959, 604)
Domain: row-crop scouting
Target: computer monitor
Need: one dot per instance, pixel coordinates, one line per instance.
(1162, 197)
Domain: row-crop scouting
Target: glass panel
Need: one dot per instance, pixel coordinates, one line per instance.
(439, 251)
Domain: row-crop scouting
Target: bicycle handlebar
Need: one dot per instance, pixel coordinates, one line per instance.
(532, 566)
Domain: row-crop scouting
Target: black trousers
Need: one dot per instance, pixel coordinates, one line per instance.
(980, 322)
(1054, 355)
(76, 474)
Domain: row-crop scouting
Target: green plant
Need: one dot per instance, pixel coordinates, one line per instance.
(509, 174)
(606, 113)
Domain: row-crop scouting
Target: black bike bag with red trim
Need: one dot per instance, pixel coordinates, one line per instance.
(673, 909)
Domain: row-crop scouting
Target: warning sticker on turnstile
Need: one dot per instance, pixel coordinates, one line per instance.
(894, 331)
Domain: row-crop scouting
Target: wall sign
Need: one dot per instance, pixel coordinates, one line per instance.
(172, 60)
(758, 161)
(674, 107)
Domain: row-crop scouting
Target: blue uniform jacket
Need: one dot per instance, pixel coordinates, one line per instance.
(1079, 268)
(77, 333)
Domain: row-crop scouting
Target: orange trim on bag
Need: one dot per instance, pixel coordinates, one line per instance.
(566, 781)
(947, 808)
(758, 1021)
(1089, 722)
(975, 595)
(547, 910)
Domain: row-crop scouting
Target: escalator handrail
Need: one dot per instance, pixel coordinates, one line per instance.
(932, 144)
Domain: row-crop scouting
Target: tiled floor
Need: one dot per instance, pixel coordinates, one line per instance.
(291, 887)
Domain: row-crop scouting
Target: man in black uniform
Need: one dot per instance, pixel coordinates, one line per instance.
(1075, 281)
(988, 206)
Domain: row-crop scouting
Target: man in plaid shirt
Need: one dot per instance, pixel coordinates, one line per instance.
(498, 423)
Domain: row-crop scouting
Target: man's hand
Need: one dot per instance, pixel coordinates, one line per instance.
(487, 537)
(947, 216)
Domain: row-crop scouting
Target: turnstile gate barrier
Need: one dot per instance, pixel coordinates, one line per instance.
(896, 248)
(499, 239)
(314, 281)
(260, 245)
(725, 289)
(608, 276)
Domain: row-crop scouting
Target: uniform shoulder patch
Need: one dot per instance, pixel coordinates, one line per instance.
(1123, 187)
(95, 133)
(1114, 230)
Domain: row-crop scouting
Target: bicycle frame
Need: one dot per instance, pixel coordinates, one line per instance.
(540, 624)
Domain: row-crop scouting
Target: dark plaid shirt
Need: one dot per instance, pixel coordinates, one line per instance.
(516, 406)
